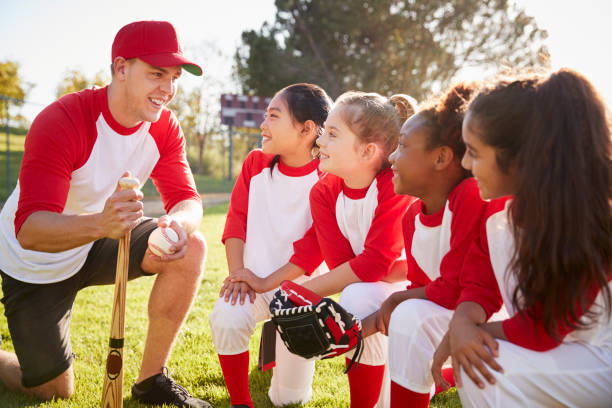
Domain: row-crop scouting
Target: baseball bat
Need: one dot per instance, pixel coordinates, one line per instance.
(112, 392)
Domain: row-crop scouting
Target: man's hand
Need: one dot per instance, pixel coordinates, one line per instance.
(259, 285)
(122, 211)
(234, 291)
(179, 248)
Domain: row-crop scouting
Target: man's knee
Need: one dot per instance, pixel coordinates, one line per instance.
(191, 265)
(61, 386)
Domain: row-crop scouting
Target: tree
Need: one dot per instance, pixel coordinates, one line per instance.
(196, 120)
(387, 46)
(74, 80)
(12, 86)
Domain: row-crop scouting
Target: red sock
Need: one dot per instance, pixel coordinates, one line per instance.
(365, 382)
(447, 373)
(403, 397)
(235, 370)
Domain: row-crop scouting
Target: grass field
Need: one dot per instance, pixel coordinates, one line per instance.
(193, 362)
(16, 152)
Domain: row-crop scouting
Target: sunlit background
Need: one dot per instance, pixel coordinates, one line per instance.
(48, 38)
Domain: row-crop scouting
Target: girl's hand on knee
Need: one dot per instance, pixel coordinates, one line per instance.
(472, 346)
(247, 276)
(236, 291)
(384, 313)
(440, 356)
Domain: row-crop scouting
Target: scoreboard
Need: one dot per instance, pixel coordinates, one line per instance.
(243, 111)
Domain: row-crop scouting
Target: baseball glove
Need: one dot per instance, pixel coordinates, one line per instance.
(311, 326)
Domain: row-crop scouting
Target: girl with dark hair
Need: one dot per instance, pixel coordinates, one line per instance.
(269, 209)
(439, 230)
(357, 220)
(546, 142)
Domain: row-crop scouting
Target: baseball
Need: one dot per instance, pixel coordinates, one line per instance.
(161, 239)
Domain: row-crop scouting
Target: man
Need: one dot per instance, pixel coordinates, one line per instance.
(59, 228)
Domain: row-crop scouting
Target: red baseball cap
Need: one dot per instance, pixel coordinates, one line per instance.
(154, 42)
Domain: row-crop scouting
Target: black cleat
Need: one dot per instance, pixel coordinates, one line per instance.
(161, 389)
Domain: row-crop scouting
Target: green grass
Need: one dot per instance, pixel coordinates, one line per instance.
(193, 362)
(16, 153)
(205, 184)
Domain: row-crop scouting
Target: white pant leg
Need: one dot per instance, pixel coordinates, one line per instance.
(573, 374)
(363, 299)
(233, 325)
(291, 377)
(415, 330)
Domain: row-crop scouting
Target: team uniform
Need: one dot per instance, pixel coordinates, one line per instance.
(539, 371)
(75, 153)
(438, 250)
(363, 227)
(269, 210)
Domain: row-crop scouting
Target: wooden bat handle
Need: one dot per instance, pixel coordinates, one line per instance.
(112, 392)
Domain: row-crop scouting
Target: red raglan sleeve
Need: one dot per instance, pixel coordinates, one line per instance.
(527, 329)
(384, 242)
(477, 278)
(54, 148)
(306, 252)
(414, 273)
(467, 210)
(172, 175)
(334, 246)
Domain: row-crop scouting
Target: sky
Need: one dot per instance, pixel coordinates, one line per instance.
(48, 38)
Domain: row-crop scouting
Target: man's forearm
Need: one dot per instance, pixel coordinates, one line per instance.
(188, 213)
(46, 231)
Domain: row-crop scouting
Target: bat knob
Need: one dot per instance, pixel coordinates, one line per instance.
(128, 182)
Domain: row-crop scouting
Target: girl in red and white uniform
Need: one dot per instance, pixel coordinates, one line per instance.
(357, 220)
(545, 141)
(439, 230)
(269, 210)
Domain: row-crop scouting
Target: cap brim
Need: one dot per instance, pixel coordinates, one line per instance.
(172, 60)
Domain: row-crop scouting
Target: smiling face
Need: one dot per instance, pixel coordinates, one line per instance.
(481, 159)
(147, 90)
(280, 133)
(339, 147)
(412, 163)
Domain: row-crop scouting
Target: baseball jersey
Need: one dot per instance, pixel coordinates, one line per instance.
(437, 244)
(269, 210)
(522, 329)
(361, 226)
(75, 152)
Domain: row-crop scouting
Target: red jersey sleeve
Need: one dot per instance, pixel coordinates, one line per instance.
(172, 175)
(57, 143)
(236, 221)
(527, 329)
(334, 246)
(467, 210)
(384, 242)
(306, 252)
(477, 278)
